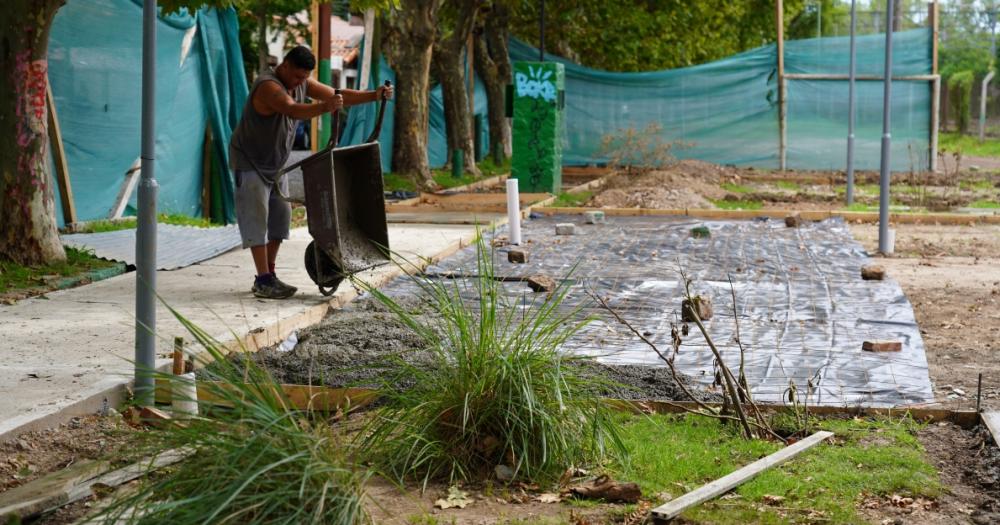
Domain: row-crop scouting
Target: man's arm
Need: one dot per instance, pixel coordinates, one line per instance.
(270, 98)
(319, 91)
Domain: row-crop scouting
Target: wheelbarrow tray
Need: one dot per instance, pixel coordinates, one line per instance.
(346, 206)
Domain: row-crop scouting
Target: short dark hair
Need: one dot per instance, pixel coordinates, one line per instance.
(302, 58)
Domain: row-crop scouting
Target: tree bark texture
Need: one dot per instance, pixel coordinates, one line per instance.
(262, 53)
(448, 63)
(28, 230)
(408, 42)
(493, 65)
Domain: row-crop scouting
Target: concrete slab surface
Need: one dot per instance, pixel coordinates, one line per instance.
(69, 352)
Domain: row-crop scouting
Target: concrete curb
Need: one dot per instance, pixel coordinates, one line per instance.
(113, 391)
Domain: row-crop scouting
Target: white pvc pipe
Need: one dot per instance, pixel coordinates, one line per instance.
(184, 395)
(513, 211)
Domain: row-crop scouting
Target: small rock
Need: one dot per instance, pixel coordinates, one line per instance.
(503, 472)
(565, 228)
(958, 391)
(541, 283)
(594, 217)
(517, 256)
(882, 345)
(872, 272)
(973, 167)
(702, 306)
(793, 221)
(22, 444)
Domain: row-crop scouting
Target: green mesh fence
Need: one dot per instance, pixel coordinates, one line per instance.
(95, 69)
(727, 111)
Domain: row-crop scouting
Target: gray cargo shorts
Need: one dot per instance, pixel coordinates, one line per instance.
(260, 212)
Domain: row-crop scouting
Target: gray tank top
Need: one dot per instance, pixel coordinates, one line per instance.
(264, 142)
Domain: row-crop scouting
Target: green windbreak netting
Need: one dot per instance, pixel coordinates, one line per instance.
(361, 120)
(726, 111)
(95, 69)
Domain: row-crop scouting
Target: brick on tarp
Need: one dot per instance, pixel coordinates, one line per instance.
(882, 345)
(541, 283)
(702, 306)
(517, 256)
(872, 272)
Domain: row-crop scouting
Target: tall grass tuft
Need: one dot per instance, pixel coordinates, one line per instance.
(257, 461)
(496, 390)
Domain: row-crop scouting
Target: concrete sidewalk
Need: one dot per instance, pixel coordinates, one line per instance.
(69, 352)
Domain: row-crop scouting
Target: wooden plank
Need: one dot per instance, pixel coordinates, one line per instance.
(75, 483)
(585, 171)
(962, 418)
(992, 421)
(59, 156)
(37, 496)
(933, 18)
(206, 173)
(300, 397)
(729, 482)
(868, 217)
(779, 26)
(125, 192)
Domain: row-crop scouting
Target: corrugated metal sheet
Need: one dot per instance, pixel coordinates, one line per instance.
(177, 246)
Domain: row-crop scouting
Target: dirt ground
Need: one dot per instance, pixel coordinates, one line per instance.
(696, 184)
(951, 275)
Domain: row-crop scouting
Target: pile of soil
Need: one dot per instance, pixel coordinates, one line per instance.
(685, 184)
(363, 344)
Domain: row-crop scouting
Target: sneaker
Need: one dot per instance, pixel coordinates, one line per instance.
(271, 288)
(283, 284)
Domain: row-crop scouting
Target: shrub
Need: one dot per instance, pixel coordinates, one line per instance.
(258, 462)
(960, 92)
(497, 391)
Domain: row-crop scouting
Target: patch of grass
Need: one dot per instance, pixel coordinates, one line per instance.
(443, 177)
(130, 223)
(985, 204)
(256, 462)
(494, 389)
(18, 277)
(787, 185)
(299, 217)
(859, 206)
(394, 182)
(572, 200)
(976, 185)
(736, 188)
(675, 454)
(738, 205)
(872, 189)
(969, 145)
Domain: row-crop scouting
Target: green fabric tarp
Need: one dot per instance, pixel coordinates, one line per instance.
(95, 69)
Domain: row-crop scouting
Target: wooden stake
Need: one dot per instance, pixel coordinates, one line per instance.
(178, 356)
(59, 156)
(206, 173)
(724, 484)
(779, 23)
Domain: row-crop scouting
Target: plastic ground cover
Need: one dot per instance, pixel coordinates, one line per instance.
(802, 307)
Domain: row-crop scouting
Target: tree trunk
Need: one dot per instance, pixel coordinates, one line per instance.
(262, 53)
(493, 65)
(409, 37)
(448, 63)
(28, 231)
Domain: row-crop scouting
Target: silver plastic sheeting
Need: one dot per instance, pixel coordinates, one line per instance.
(802, 308)
(177, 246)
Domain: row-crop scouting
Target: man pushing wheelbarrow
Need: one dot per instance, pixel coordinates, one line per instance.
(260, 147)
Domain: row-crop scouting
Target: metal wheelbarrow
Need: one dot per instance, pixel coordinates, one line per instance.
(345, 208)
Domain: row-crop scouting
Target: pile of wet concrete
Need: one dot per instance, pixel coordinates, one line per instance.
(365, 345)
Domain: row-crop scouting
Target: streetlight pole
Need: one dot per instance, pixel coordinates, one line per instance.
(145, 247)
(850, 108)
(884, 170)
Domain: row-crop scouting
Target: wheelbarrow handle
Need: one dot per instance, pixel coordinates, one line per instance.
(335, 120)
(381, 113)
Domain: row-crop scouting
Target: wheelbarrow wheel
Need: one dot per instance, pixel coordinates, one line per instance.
(323, 270)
